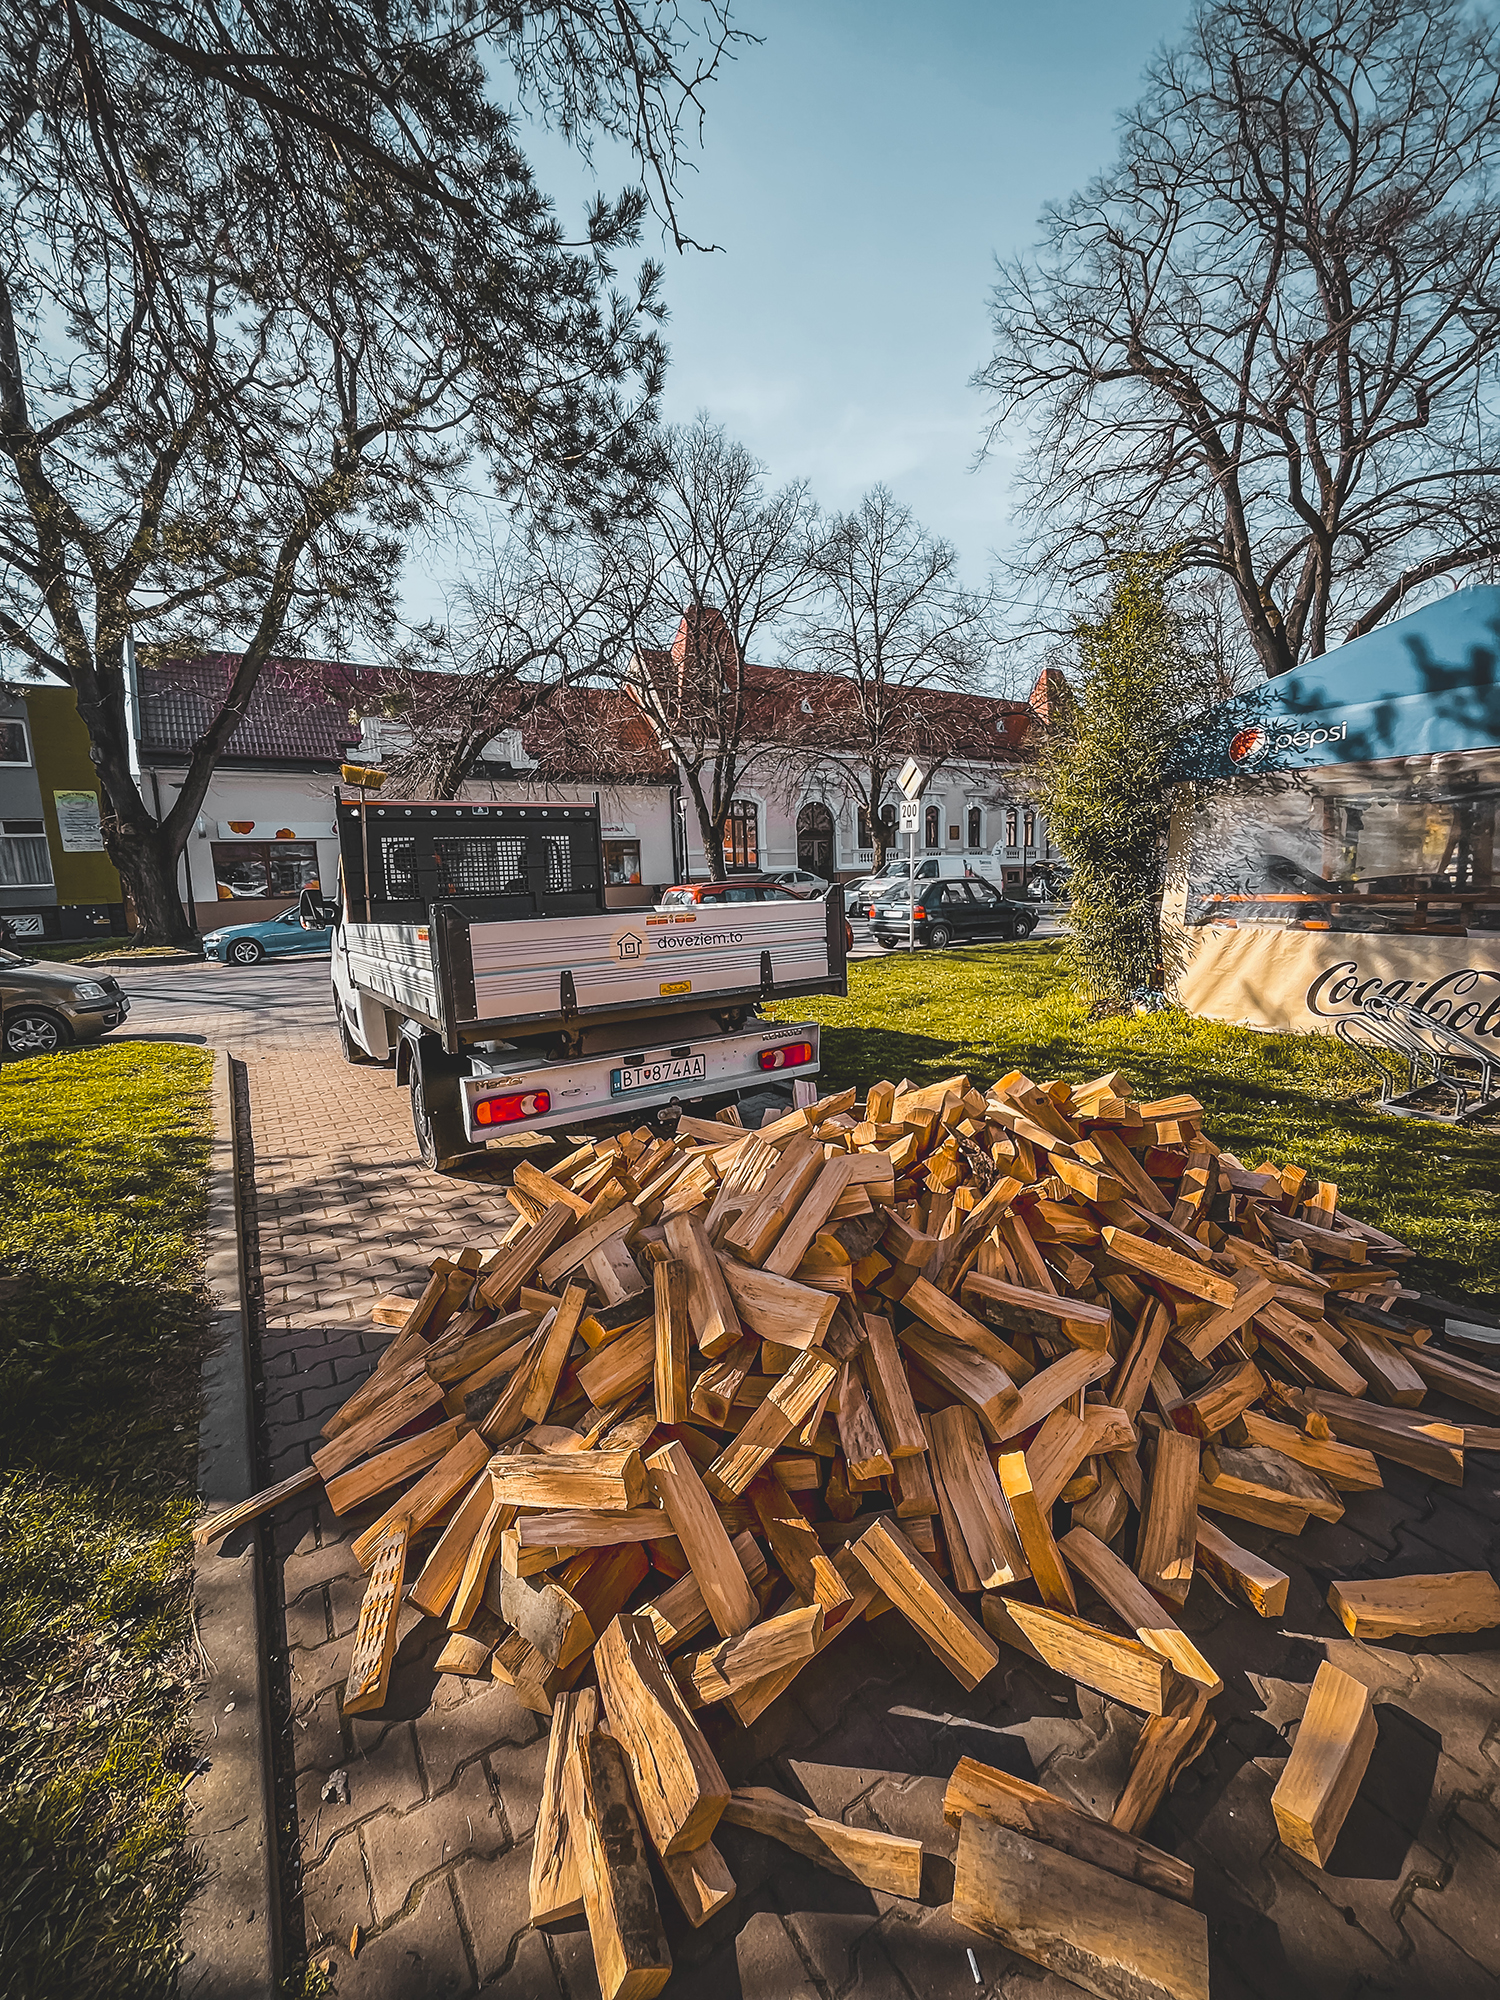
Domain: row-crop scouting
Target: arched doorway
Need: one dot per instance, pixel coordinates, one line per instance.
(815, 839)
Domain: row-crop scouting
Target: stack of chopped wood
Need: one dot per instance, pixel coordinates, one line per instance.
(716, 1400)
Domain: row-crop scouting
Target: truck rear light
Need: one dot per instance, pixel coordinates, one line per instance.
(786, 1057)
(506, 1110)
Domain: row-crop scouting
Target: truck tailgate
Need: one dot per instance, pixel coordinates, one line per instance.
(627, 958)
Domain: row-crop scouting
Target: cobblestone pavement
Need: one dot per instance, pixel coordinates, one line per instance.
(430, 1856)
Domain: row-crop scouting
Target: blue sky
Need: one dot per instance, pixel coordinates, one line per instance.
(862, 169)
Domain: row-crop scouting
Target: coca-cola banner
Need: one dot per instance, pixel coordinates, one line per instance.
(1307, 979)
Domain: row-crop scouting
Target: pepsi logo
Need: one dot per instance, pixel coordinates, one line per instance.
(1248, 745)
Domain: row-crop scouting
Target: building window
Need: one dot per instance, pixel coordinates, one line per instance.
(741, 835)
(976, 829)
(24, 860)
(15, 746)
(1011, 827)
(622, 862)
(864, 835)
(249, 868)
(934, 826)
(1031, 829)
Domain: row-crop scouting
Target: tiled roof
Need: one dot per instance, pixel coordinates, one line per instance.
(299, 712)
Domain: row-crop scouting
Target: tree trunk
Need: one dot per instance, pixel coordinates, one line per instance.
(147, 860)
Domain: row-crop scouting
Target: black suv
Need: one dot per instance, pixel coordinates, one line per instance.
(948, 912)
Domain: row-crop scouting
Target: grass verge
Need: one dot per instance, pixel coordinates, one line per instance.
(102, 1161)
(1303, 1098)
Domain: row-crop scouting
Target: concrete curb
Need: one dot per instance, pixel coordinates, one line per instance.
(231, 1946)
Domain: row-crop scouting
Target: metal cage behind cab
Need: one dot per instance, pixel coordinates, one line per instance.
(487, 862)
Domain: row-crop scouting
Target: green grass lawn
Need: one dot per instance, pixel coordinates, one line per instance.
(1302, 1098)
(102, 1160)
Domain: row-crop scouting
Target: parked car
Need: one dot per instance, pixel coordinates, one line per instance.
(277, 937)
(802, 880)
(948, 913)
(746, 889)
(756, 889)
(45, 1007)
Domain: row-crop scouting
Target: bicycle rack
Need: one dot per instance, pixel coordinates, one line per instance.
(1402, 1044)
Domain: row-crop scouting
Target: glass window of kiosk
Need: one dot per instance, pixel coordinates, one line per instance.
(622, 862)
(1403, 845)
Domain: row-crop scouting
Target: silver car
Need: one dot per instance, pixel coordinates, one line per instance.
(45, 1007)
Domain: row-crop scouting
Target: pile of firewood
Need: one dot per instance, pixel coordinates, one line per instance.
(716, 1399)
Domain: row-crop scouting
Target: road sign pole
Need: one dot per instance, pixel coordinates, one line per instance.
(911, 891)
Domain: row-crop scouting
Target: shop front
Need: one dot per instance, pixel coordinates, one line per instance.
(1351, 848)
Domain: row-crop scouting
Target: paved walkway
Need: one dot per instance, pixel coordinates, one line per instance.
(430, 1856)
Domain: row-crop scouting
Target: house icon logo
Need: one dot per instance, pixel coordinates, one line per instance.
(629, 945)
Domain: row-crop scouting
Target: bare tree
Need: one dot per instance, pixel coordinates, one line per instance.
(539, 616)
(270, 280)
(727, 563)
(893, 634)
(1267, 338)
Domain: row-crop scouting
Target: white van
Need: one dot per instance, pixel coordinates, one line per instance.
(947, 868)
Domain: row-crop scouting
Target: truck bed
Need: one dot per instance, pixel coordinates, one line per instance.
(471, 979)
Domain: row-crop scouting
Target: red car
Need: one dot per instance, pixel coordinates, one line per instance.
(744, 889)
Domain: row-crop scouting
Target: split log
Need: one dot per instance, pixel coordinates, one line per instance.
(882, 1861)
(630, 1946)
(680, 1790)
(1335, 1740)
(1465, 1600)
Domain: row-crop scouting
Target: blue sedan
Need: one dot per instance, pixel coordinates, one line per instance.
(277, 937)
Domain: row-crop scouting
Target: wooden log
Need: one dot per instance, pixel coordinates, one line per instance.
(1038, 1314)
(736, 1664)
(1164, 1548)
(1254, 1293)
(583, 1528)
(1312, 1354)
(1345, 1467)
(1257, 1472)
(375, 1637)
(814, 1209)
(700, 1881)
(778, 1308)
(548, 1617)
(1392, 1378)
(1025, 1808)
(415, 1396)
(890, 1391)
(481, 1554)
(630, 1947)
(499, 1286)
(1048, 1570)
(1329, 1758)
(680, 1613)
(895, 1567)
(959, 1371)
(1168, 1266)
(618, 1370)
(794, 1544)
(982, 1525)
(1166, 1746)
(1122, 1669)
(216, 1526)
(936, 1310)
(715, 1323)
(433, 1590)
(1465, 1600)
(1426, 1444)
(670, 1278)
(467, 1653)
(547, 1369)
(1225, 1395)
(1132, 1377)
(1051, 1387)
(883, 1861)
(1465, 1383)
(1104, 1512)
(602, 1481)
(455, 1470)
(1239, 1573)
(863, 1446)
(1111, 1936)
(785, 1410)
(555, 1884)
(709, 1552)
(1131, 1601)
(394, 1467)
(622, 1221)
(679, 1788)
(758, 1225)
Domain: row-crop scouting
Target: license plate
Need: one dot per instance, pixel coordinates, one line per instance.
(650, 1076)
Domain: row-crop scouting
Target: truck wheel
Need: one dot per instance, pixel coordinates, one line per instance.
(438, 1125)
